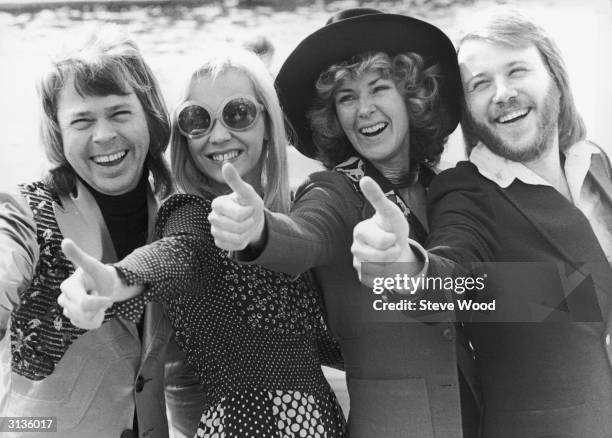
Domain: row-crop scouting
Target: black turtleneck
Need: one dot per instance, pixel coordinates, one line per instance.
(125, 216)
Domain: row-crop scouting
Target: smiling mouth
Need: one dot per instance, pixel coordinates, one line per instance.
(225, 156)
(371, 131)
(109, 159)
(513, 116)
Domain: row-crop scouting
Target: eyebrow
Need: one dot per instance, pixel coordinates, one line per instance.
(505, 66)
(371, 83)
(79, 114)
(513, 63)
(344, 90)
(474, 77)
(110, 109)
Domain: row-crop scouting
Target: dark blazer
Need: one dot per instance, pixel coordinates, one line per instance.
(401, 375)
(549, 373)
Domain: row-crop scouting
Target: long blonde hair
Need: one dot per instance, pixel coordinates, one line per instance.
(275, 179)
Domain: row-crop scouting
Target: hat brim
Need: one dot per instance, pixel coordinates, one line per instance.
(339, 41)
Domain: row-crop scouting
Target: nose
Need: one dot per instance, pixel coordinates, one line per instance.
(366, 106)
(104, 131)
(504, 91)
(219, 133)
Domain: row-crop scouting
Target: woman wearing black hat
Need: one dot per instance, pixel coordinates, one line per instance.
(369, 94)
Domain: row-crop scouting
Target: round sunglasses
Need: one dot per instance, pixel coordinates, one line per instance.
(237, 113)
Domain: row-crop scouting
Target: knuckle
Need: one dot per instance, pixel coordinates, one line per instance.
(219, 200)
(357, 258)
(360, 229)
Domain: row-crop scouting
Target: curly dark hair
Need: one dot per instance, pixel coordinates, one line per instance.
(416, 81)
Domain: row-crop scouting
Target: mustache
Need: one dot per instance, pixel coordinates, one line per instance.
(512, 104)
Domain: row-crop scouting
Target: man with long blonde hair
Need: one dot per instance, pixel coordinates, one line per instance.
(104, 128)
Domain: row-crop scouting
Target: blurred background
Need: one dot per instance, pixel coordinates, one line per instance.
(173, 35)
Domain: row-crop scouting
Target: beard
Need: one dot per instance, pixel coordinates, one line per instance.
(546, 127)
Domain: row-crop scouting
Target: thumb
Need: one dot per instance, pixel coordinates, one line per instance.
(390, 216)
(246, 194)
(92, 267)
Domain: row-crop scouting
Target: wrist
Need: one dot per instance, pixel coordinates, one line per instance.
(122, 289)
(260, 236)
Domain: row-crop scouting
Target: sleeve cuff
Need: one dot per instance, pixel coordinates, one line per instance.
(252, 253)
(422, 256)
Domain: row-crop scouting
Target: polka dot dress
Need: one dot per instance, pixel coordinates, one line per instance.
(253, 335)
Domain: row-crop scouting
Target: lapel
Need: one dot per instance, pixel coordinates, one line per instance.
(601, 174)
(80, 219)
(555, 219)
(567, 230)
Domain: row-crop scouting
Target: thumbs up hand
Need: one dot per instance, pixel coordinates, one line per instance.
(87, 293)
(237, 220)
(382, 239)
(91, 289)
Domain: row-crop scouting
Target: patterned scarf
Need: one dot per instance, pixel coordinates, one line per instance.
(356, 168)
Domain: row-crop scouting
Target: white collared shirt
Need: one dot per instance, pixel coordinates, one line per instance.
(584, 193)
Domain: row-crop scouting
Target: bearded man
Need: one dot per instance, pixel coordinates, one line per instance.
(531, 214)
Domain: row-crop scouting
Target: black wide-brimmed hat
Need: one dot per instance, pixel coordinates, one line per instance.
(350, 33)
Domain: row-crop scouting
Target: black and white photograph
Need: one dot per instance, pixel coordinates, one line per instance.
(306, 218)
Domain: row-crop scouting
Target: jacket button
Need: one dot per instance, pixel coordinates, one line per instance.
(128, 433)
(140, 382)
(448, 334)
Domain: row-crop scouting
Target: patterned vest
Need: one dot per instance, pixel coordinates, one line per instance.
(40, 333)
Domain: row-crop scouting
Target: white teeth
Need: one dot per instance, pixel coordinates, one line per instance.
(102, 159)
(224, 157)
(513, 115)
(372, 129)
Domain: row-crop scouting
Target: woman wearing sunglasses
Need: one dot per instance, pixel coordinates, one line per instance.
(369, 94)
(250, 333)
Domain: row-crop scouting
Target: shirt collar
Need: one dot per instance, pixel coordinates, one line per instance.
(503, 171)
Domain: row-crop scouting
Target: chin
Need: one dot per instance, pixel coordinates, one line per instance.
(509, 150)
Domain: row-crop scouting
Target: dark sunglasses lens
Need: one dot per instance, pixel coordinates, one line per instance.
(239, 113)
(194, 120)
